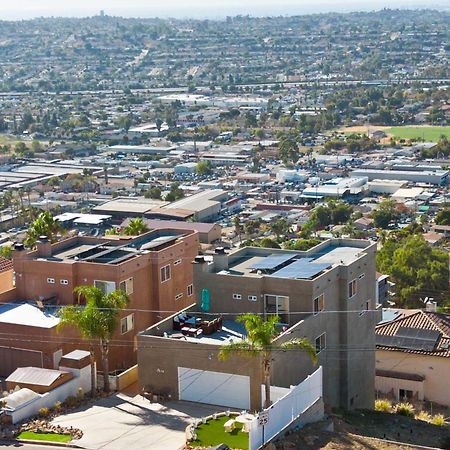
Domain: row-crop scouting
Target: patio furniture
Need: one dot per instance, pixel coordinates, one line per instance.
(246, 419)
(194, 332)
(229, 425)
(190, 321)
(185, 330)
(208, 327)
(177, 336)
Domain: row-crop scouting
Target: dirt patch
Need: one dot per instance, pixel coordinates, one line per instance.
(363, 129)
(368, 430)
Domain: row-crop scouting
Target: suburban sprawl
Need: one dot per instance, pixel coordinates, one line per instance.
(226, 234)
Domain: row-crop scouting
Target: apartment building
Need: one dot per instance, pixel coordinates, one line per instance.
(154, 269)
(326, 294)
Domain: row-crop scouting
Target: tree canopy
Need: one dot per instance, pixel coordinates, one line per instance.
(443, 217)
(417, 269)
(333, 213)
(385, 214)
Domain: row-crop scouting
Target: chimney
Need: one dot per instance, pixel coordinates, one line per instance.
(44, 247)
(220, 259)
(18, 251)
(201, 265)
(431, 306)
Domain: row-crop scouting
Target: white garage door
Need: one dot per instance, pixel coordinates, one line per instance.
(214, 388)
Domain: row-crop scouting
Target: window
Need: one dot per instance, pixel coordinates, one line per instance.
(127, 324)
(352, 289)
(178, 296)
(50, 280)
(127, 286)
(105, 286)
(368, 305)
(165, 273)
(362, 276)
(405, 394)
(65, 282)
(178, 261)
(319, 303)
(190, 290)
(237, 297)
(279, 305)
(253, 298)
(320, 342)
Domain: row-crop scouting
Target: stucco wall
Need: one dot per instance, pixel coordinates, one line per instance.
(349, 358)
(159, 359)
(436, 371)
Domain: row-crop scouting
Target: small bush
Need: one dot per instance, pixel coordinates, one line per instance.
(57, 406)
(405, 409)
(424, 416)
(383, 405)
(44, 412)
(438, 420)
(71, 402)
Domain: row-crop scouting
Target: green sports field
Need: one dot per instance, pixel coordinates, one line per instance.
(430, 134)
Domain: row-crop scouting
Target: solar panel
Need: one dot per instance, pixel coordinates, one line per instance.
(411, 339)
(419, 333)
(272, 261)
(302, 268)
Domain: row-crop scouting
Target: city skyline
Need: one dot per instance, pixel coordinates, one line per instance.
(27, 9)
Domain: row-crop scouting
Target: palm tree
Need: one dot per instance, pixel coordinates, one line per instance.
(97, 320)
(259, 343)
(44, 225)
(136, 227)
(238, 227)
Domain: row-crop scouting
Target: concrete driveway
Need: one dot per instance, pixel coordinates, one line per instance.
(120, 422)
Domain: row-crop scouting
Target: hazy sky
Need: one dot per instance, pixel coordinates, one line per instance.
(21, 9)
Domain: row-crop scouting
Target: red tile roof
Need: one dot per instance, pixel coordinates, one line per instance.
(423, 320)
(5, 264)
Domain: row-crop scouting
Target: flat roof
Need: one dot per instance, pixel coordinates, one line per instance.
(156, 224)
(91, 219)
(231, 331)
(35, 375)
(199, 201)
(27, 314)
(340, 255)
(76, 355)
(136, 205)
(291, 264)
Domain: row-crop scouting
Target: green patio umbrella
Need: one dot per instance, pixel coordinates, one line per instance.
(206, 298)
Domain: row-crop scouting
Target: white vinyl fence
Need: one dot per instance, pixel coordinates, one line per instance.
(273, 420)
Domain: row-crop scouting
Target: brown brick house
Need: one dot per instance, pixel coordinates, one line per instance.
(154, 269)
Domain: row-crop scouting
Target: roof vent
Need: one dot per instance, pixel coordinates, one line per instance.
(18, 246)
(199, 259)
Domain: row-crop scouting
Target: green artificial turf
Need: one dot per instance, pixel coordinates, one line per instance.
(212, 433)
(52, 437)
(429, 134)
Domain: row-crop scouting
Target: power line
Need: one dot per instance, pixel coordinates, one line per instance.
(216, 313)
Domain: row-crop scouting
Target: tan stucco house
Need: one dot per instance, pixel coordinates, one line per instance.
(413, 358)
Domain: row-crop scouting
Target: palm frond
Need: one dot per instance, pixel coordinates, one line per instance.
(244, 348)
(301, 344)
